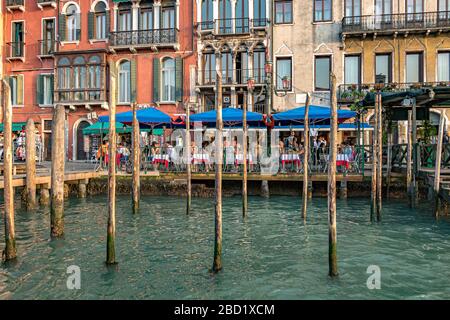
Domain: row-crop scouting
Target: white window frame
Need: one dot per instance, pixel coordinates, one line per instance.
(170, 95)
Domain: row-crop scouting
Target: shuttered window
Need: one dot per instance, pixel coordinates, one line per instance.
(156, 79)
(16, 85)
(44, 90)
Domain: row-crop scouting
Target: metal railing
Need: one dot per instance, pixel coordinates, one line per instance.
(260, 22)
(401, 21)
(232, 26)
(144, 37)
(206, 25)
(242, 76)
(16, 49)
(13, 3)
(46, 47)
(80, 95)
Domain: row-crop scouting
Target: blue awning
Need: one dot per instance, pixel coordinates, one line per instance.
(326, 127)
(150, 116)
(316, 113)
(229, 116)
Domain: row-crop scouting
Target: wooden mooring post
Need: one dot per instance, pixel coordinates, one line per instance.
(136, 162)
(57, 179)
(244, 156)
(437, 166)
(10, 252)
(373, 195)
(380, 157)
(409, 159)
(217, 264)
(111, 229)
(306, 132)
(30, 145)
(332, 233)
(188, 160)
(415, 156)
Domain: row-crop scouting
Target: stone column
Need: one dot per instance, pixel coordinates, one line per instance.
(156, 14)
(135, 16)
(233, 16)
(177, 14)
(115, 16)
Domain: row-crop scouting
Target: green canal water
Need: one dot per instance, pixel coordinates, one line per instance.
(164, 254)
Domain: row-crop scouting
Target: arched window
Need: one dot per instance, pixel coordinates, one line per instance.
(64, 78)
(125, 82)
(259, 13)
(72, 23)
(145, 15)
(94, 78)
(79, 77)
(100, 20)
(124, 17)
(225, 23)
(242, 16)
(168, 79)
(207, 15)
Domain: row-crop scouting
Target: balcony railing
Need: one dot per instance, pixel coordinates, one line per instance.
(46, 47)
(14, 3)
(242, 76)
(16, 50)
(83, 95)
(396, 22)
(232, 26)
(260, 22)
(143, 37)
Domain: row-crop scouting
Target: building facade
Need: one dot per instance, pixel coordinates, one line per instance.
(233, 37)
(60, 52)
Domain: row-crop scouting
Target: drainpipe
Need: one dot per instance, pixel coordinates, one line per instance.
(270, 52)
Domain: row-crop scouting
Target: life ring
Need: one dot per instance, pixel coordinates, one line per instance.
(269, 122)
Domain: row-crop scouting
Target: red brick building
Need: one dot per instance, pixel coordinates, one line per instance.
(150, 43)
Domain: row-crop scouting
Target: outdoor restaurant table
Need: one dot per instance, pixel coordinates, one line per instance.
(290, 158)
(162, 159)
(200, 158)
(342, 159)
(239, 158)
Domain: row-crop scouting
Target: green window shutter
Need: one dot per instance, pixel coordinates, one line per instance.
(20, 89)
(78, 26)
(156, 79)
(62, 27)
(107, 23)
(179, 79)
(40, 89)
(52, 87)
(91, 25)
(133, 80)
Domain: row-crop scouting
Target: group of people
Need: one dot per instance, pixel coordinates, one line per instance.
(19, 146)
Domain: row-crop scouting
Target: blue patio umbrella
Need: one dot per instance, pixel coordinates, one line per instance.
(230, 116)
(149, 116)
(316, 114)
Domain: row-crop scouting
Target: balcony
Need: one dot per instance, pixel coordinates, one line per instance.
(143, 38)
(242, 76)
(425, 22)
(46, 3)
(46, 48)
(15, 51)
(82, 96)
(237, 26)
(15, 5)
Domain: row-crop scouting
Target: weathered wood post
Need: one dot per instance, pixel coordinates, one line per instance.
(244, 156)
(409, 159)
(437, 166)
(57, 179)
(332, 233)
(217, 265)
(380, 157)
(265, 191)
(389, 161)
(10, 252)
(306, 160)
(82, 188)
(373, 195)
(414, 154)
(44, 195)
(188, 160)
(30, 153)
(111, 230)
(136, 162)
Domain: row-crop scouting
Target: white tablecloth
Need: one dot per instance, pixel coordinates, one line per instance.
(290, 157)
(201, 157)
(161, 157)
(240, 157)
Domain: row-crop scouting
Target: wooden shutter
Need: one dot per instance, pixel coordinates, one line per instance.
(107, 23)
(52, 88)
(156, 79)
(40, 89)
(179, 79)
(133, 80)
(20, 89)
(78, 27)
(62, 27)
(91, 33)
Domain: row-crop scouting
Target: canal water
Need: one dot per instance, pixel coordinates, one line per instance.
(164, 254)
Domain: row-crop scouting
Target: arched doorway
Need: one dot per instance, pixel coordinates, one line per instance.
(81, 152)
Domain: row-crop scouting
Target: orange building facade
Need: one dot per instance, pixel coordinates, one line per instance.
(61, 52)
